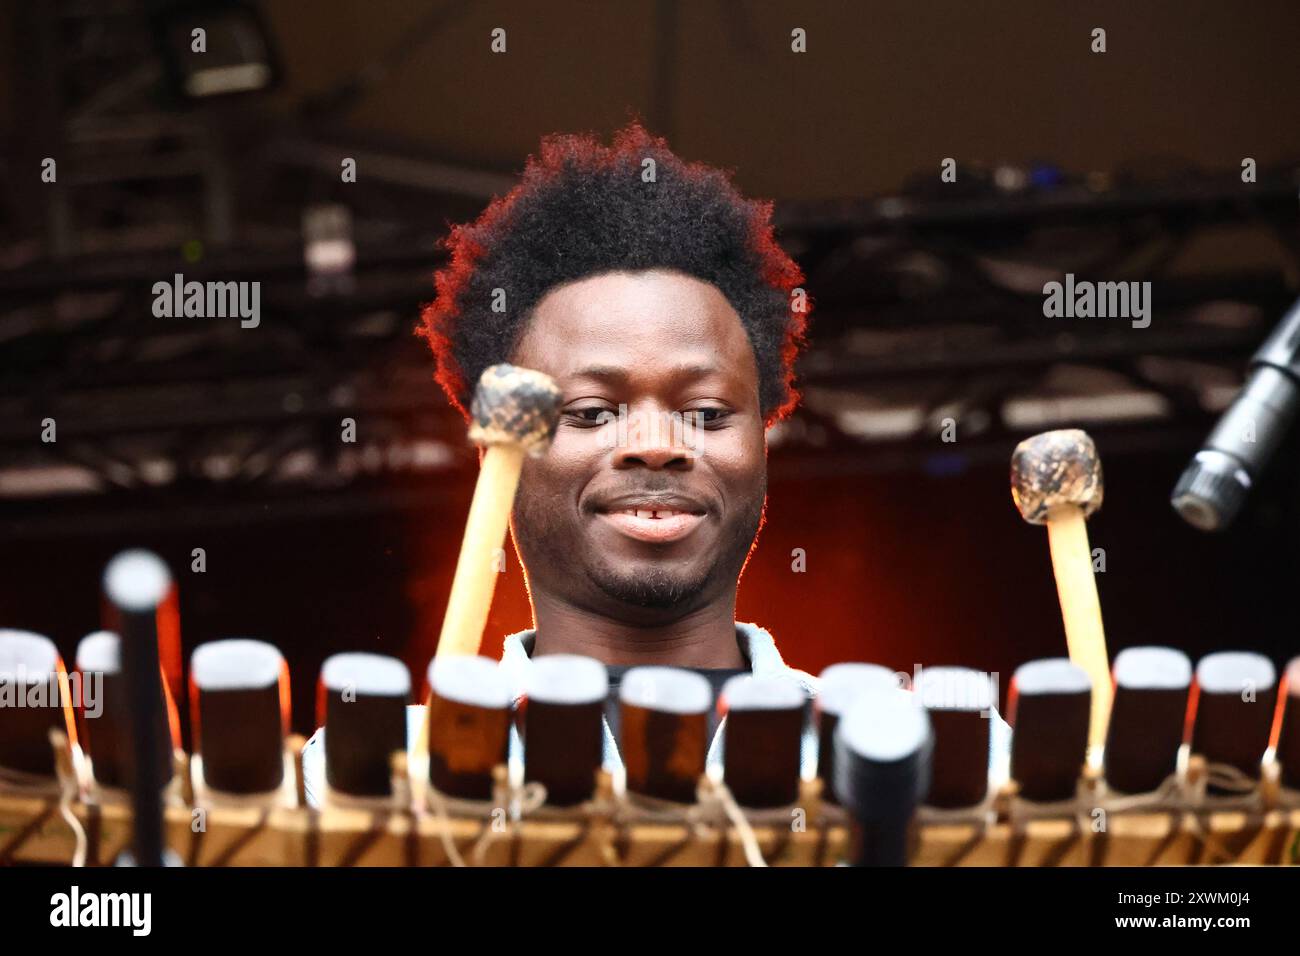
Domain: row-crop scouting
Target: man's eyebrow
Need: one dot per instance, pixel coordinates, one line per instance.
(618, 373)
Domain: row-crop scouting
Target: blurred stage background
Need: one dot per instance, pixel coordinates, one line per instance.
(178, 434)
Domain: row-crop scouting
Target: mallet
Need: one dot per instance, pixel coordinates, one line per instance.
(515, 412)
(1056, 481)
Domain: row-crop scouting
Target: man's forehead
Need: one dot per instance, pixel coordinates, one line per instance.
(676, 367)
(611, 327)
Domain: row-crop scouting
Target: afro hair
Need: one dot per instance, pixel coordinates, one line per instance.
(581, 209)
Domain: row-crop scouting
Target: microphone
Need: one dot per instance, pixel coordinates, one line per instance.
(1214, 485)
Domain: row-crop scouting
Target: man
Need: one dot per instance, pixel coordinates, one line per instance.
(656, 297)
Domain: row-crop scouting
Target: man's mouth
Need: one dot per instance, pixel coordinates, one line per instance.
(656, 526)
(654, 521)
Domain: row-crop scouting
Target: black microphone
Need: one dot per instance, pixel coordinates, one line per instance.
(1214, 486)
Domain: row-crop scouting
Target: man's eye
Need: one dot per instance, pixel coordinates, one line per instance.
(704, 416)
(592, 414)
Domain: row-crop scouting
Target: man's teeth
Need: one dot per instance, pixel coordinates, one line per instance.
(644, 513)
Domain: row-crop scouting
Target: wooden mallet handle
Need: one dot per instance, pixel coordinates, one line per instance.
(1056, 480)
(514, 413)
(485, 531)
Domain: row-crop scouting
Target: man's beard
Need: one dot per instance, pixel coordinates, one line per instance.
(656, 587)
(659, 587)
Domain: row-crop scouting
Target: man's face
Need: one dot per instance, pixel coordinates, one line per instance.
(660, 418)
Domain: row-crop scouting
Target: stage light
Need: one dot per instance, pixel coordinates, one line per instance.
(215, 48)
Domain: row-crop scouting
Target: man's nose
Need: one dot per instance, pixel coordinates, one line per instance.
(654, 440)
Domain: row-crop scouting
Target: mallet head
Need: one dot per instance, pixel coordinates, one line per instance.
(1053, 469)
(515, 406)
